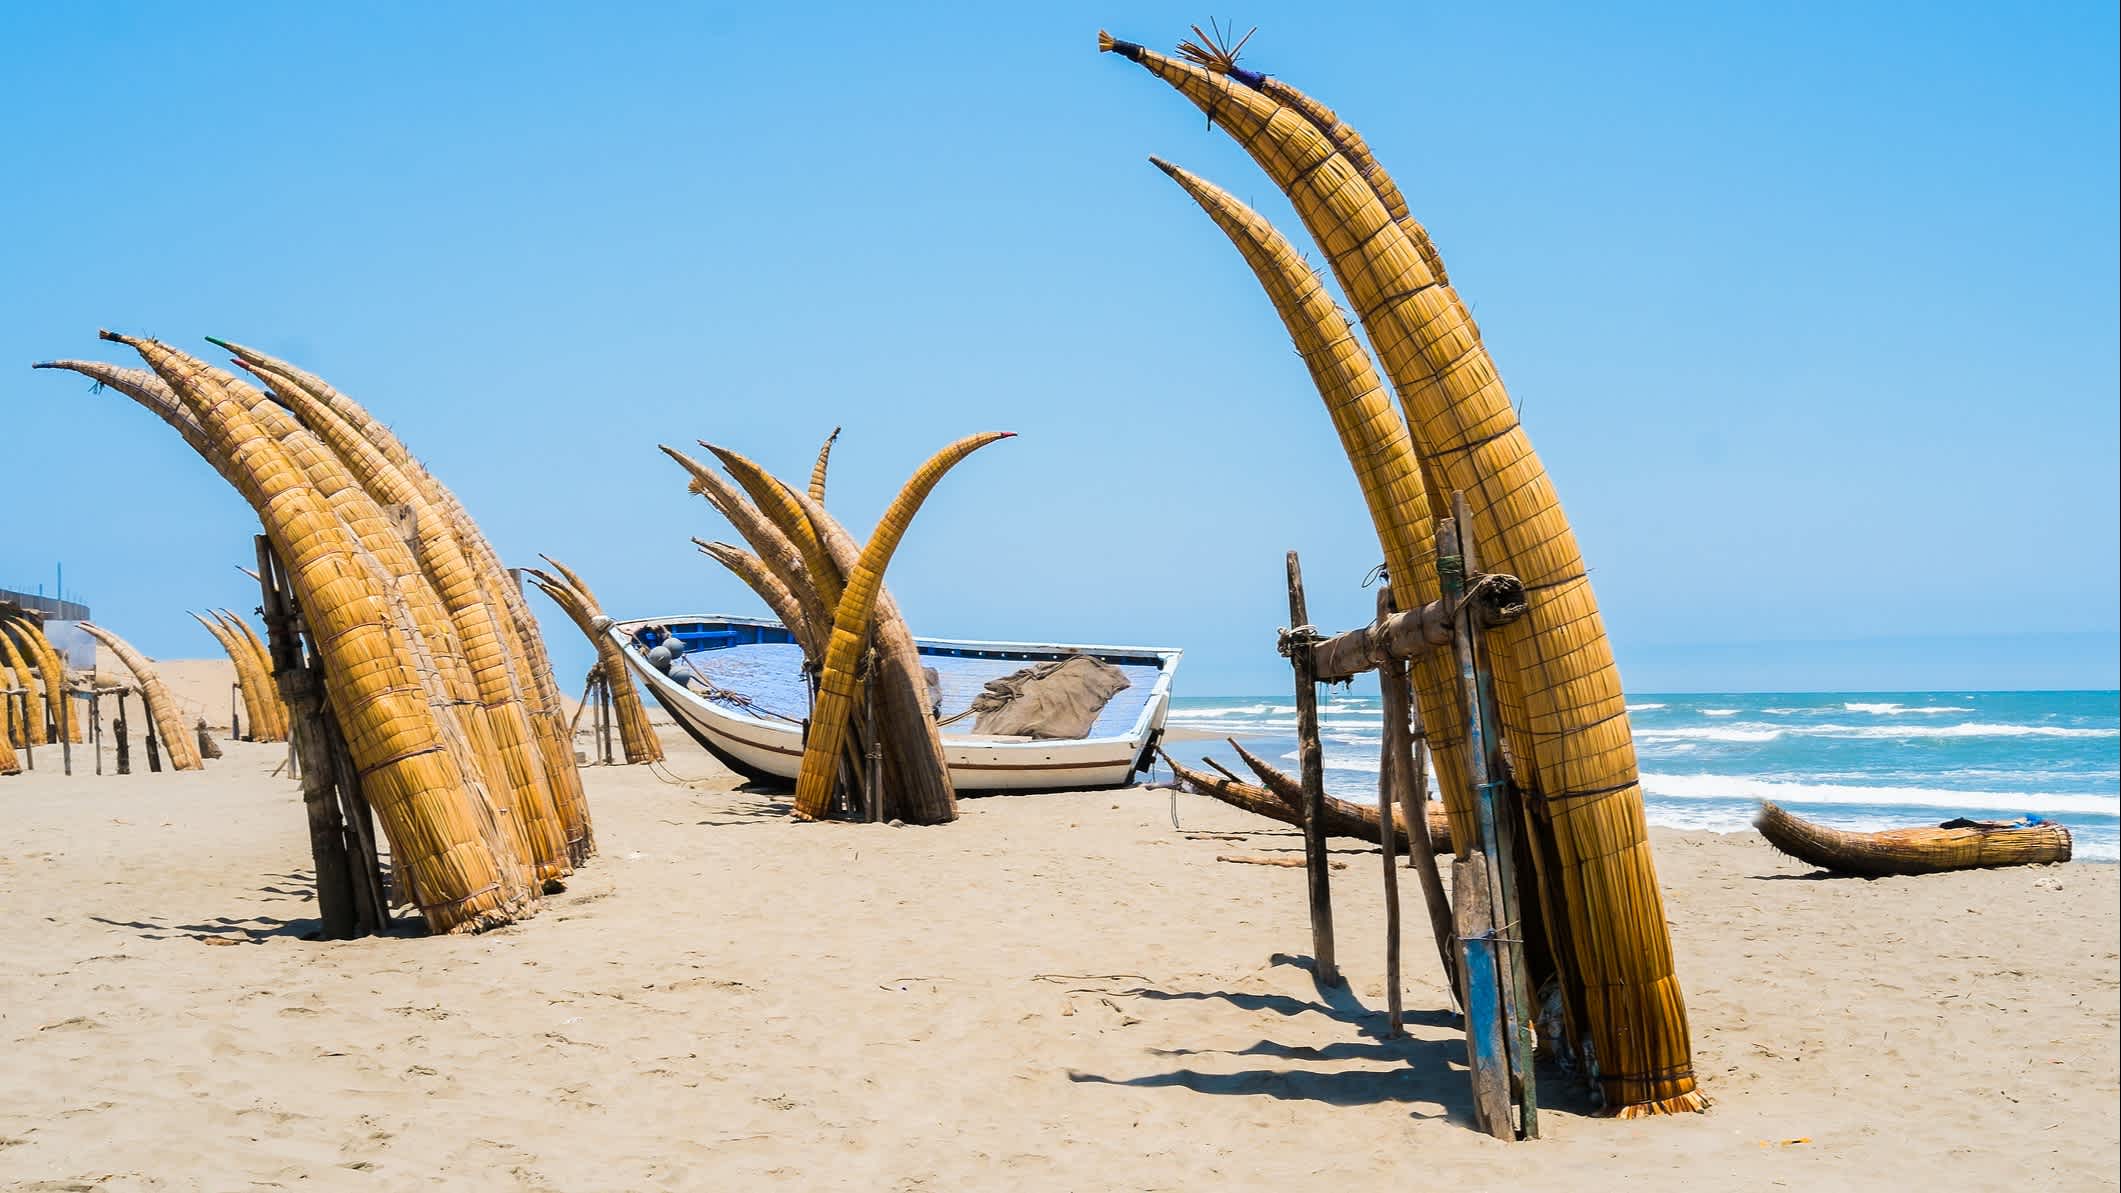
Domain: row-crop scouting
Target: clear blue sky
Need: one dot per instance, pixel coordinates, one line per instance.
(1811, 308)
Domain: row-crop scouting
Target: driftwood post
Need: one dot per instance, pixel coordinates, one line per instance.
(95, 725)
(66, 740)
(1405, 758)
(125, 754)
(301, 687)
(235, 727)
(1387, 783)
(1296, 644)
(154, 754)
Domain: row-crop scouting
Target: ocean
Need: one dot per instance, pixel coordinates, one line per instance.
(1853, 760)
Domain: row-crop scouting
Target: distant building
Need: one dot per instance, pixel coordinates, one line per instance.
(61, 620)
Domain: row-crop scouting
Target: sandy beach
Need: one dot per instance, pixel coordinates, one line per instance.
(1059, 991)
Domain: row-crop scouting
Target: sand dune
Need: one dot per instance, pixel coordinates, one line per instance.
(1057, 992)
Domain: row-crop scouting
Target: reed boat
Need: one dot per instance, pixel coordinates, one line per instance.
(736, 686)
(1953, 845)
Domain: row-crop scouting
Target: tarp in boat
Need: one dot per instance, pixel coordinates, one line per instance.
(1056, 699)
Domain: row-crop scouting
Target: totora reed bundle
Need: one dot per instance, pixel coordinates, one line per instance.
(828, 589)
(161, 706)
(435, 676)
(573, 597)
(51, 669)
(1563, 711)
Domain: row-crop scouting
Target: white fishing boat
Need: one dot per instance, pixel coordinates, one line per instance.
(736, 685)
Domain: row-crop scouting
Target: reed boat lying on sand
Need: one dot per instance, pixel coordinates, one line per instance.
(1953, 845)
(737, 687)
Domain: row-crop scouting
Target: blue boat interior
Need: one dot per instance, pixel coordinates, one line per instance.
(763, 665)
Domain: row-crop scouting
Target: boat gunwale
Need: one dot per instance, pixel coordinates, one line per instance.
(1167, 660)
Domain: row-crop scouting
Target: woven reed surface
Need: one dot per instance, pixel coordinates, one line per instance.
(498, 761)
(148, 391)
(1561, 701)
(1908, 851)
(548, 725)
(828, 719)
(777, 505)
(774, 549)
(176, 737)
(239, 657)
(636, 737)
(439, 823)
(486, 650)
(52, 669)
(917, 778)
(29, 679)
(817, 470)
(760, 579)
(1373, 436)
(644, 745)
(275, 708)
(11, 726)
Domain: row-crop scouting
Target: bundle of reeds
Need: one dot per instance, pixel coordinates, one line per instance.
(51, 670)
(1953, 845)
(434, 675)
(29, 677)
(511, 670)
(568, 591)
(251, 680)
(272, 711)
(829, 591)
(161, 706)
(1562, 706)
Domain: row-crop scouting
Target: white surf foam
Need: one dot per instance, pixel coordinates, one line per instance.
(1748, 788)
(1889, 709)
(1743, 731)
(1643, 707)
(1719, 712)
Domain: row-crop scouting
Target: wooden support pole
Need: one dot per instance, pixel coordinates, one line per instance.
(22, 714)
(1405, 758)
(1394, 1010)
(371, 901)
(95, 725)
(1411, 633)
(302, 688)
(235, 727)
(1296, 644)
(873, 772)
(118, 728)
(1486, 1054)
(1500, 817)
(154, 754)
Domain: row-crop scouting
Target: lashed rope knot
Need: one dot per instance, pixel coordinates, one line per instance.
(1304, 636)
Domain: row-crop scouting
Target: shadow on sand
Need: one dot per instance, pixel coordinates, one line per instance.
(1427, 1071)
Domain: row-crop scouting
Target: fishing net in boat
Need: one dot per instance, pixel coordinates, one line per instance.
(1051, 700)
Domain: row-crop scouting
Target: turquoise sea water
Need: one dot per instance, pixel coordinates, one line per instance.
(1864, 761)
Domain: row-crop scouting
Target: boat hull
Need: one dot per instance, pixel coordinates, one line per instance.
(766, 748)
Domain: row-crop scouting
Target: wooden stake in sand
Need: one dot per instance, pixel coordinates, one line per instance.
(1387, 783)
(125, 756)
(342, 843)
(1296, 644)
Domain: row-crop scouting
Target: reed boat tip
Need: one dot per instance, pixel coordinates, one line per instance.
(1108, 44)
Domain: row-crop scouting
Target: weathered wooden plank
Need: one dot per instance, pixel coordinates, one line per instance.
(1297, 643)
